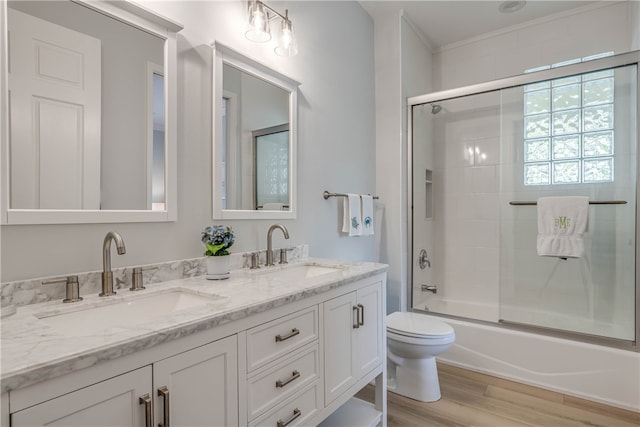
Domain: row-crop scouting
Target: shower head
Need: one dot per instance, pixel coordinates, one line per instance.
(435, 108)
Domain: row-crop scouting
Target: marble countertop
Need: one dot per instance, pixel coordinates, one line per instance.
(33, 351)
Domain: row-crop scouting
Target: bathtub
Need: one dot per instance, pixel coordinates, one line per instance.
(597, 373)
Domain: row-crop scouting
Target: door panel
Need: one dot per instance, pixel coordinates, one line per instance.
(55, 96)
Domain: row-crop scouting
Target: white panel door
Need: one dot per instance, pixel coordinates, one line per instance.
(55, 95)
(339, 350)
(369, 345)
(201, 386)
(114, 402)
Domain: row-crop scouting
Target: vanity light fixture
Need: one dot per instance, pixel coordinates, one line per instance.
(259, 17)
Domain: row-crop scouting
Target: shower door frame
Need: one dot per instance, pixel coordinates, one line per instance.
(615, 61)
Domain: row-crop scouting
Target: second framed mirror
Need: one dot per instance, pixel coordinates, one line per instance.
(254, 139)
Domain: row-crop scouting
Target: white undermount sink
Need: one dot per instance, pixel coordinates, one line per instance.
(128, 312)
(301, 271)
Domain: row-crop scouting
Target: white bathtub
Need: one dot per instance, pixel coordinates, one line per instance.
(592, 372)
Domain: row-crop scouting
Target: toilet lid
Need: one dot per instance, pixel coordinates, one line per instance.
(415, 324)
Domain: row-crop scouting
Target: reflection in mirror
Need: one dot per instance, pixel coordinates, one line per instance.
(271, 165)
(157, 140)
(251, 107)
(254, 150)
(87, 112)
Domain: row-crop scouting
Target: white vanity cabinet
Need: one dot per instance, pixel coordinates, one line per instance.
(296, 363)
(112, 402)
(353, 338)
(197, 387)
(283, 370)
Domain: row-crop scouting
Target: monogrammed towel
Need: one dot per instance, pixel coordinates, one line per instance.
(562, 221)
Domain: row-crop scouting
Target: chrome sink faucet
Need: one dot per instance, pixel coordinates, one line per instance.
(269, 241)
(107, 275)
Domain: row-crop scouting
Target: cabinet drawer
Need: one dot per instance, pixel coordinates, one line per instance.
(306, 404)
(275, 339)
(268, 388)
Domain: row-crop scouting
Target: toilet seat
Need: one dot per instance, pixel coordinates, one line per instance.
(419, 326)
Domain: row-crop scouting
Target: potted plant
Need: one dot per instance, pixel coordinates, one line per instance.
(217, 239)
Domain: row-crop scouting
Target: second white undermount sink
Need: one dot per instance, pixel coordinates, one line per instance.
(127, 312)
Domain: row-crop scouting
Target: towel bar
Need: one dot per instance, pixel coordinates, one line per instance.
(326, 195)
(603, 202)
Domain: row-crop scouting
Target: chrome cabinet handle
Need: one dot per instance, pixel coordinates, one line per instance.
(146, 401)
(293, 333)
(294, 375)
(296, 413)
(164, 393)
(360, 315)
(356, 323)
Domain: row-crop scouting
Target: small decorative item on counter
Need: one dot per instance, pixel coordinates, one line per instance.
(217, 239)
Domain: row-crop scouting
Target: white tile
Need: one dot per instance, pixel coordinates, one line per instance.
(484, 179)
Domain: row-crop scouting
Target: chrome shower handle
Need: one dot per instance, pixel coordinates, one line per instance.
(423, 260)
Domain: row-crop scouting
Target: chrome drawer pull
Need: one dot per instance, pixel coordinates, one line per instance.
(293, 333)
(296, 413)
(164, 392)
(294, 375)
(146, 401)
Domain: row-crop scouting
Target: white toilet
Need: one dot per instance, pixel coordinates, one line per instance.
(413, 341)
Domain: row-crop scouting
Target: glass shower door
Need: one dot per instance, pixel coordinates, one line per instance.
(574, 136)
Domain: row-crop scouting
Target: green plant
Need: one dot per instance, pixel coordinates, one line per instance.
(218, 239)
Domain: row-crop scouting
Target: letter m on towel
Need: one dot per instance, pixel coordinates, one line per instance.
(563, 222)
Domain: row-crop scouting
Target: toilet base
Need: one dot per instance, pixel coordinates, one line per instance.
(417, 379)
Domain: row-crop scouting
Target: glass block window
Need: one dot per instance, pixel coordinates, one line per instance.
(569, 129)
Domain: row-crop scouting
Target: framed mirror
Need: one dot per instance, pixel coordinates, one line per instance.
(89, 124)
(254, 145)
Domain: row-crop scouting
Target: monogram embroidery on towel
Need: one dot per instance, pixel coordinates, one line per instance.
(563, 222)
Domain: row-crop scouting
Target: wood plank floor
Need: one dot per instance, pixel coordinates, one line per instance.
(473, 399)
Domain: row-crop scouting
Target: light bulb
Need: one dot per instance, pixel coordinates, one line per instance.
(287, 45)
(286, 38)
(258, 23)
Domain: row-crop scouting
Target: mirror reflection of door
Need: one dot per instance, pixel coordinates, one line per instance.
(55, 92)
(271, 148)
(81, 102)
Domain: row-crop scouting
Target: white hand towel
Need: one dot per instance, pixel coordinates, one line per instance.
(367, 215)
(561, 223)
(352, 215)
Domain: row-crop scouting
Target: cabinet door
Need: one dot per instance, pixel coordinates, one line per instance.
(200, 386)
(339, 347)
(114, 402)
(369, 345)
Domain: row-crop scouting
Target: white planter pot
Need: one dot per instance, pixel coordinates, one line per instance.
(218, 267)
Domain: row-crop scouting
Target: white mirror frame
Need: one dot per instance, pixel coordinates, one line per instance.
(145, 20)
(225, 55)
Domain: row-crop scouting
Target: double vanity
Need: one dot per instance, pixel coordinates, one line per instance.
(281, 346)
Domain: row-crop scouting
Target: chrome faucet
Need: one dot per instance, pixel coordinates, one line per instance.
(269, 238)
(107, 275)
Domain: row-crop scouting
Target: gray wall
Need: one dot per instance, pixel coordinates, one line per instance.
(336, 146)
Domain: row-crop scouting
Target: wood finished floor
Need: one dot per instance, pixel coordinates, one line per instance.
(474, 399)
